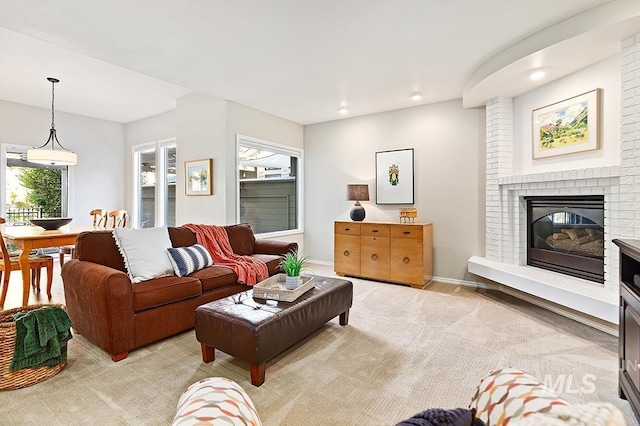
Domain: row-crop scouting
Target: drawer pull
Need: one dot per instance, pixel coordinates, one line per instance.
(374, 256)
(346, 253)
(405, 260)
(406, 232)
(346, 229)
(374, 230)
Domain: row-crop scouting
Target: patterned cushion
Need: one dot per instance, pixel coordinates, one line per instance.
(216, 401)
(186, 260)
(509, 393)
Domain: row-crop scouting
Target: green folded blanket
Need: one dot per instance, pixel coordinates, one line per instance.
(41, 336)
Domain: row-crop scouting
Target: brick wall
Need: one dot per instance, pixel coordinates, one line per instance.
(505, 208)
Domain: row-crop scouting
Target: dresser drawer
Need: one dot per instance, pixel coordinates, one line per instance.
(406, 231)
(374, 230)
(346, 228)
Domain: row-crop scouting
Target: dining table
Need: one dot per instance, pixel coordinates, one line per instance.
(32, 237)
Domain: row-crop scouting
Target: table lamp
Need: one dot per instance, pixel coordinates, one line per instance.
(357, 193)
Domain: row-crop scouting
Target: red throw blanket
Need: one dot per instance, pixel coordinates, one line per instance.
(216, 240)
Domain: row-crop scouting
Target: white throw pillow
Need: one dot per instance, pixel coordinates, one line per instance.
(144, 252)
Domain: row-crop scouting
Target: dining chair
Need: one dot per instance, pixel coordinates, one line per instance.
(119, 218)
(10, 263)
(99, 221)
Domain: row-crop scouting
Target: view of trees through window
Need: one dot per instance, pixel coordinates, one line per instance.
(33, 192)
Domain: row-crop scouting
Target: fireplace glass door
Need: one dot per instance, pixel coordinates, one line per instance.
(566, 235)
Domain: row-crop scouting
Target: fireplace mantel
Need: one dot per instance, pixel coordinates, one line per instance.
(564, 175)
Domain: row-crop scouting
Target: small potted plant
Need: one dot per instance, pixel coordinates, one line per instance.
(292, 264)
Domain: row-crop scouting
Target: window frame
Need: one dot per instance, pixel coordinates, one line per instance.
(278, 149)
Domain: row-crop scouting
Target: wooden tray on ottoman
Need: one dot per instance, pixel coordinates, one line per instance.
(274, 288)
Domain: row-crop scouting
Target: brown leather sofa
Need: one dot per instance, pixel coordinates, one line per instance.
(118, 316)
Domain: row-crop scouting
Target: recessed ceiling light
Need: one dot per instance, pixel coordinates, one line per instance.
(343, 110)
(537, 75)
(416, 96)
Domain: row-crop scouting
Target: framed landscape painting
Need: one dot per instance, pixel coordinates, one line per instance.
(566, 127)
(394, 177)
(197, 177)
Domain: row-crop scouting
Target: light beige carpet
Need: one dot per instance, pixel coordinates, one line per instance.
(404, 350)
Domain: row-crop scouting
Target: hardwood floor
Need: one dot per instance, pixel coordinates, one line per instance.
(14, 294)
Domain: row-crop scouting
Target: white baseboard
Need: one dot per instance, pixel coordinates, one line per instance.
(476, 284)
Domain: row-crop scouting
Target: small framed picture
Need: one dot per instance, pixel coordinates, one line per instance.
(394, 177)
(197, 177)
(568, 126)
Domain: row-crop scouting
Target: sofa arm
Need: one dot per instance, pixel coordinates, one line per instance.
(99, 301)
(264, 246)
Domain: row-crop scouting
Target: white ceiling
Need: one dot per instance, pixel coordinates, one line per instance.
(124, 60)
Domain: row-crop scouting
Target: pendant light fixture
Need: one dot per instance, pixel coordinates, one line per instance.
(52, 156)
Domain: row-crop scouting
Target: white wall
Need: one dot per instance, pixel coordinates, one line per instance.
(449, 177)
(200, 133)
(604, 75)
(98, 180)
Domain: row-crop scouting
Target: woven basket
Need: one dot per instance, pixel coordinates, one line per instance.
(27, 376)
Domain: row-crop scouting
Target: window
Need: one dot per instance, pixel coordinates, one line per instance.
(154, 166)
(269, 186)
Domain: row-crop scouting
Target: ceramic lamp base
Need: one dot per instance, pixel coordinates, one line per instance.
(357, 213)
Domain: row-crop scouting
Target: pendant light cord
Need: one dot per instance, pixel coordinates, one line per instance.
(53, 97)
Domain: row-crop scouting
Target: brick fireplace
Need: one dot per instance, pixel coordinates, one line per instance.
(505, 260)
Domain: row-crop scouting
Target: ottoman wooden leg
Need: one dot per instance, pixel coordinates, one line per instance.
(344, 317)
(257, 373)
(208, 353)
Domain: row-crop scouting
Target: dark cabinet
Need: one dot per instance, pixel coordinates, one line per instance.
(629, 346)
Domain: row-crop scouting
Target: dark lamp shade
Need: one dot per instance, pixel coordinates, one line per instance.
(358, 192)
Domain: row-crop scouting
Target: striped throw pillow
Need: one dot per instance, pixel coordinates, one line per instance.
(186, 260)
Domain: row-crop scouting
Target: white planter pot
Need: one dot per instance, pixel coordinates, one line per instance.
(293, 282)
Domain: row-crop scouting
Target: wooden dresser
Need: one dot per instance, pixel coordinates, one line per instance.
(629, 327)
(395, 252)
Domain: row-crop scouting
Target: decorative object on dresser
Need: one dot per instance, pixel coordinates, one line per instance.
(357, 193)
(408, 214)
(629, 331)
(400, 253)
(394, 177)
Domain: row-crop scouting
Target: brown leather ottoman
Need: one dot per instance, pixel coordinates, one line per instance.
(256, 330)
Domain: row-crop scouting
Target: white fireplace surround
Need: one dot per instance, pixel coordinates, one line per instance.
(618, 181)
(506, 260)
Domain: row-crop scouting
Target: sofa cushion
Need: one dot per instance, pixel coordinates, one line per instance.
(272, 262)
(216, 276)
(144, 252)
(162, 291)
(241, 238)
(99, 247)
(182, 236)
(186, 260)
